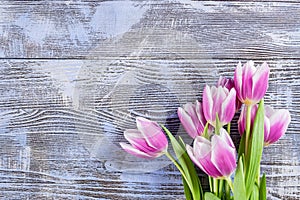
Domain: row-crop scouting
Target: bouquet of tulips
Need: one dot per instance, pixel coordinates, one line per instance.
(232, 174)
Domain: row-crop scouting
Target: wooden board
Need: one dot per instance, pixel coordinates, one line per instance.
(74, 75)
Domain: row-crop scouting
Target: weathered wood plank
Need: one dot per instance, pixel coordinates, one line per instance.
(61, 122)
(146, 29)
(60, 166)
(118, 84)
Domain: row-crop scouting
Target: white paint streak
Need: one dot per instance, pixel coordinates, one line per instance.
(285, 38)
(116, 17)
(37, 30)
(65, 75)
(204, 6)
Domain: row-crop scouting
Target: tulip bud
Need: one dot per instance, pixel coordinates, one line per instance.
(221, 101)
(251, 83)
(147, 141)
(225, 82)
(217, 158)
(229, 84)
(192, 118)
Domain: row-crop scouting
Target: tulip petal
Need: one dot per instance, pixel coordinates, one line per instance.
(209, 168)
(152, 133)
(136, 139)
(133, 151)
(279, 122)
(207, 103)
(266, 129)
(218, 98)
(223, 156)
(226, 137)
(190, 152)
(238, 74)
(202, 145)
(228, 107)
(192, 111)
(202, 151)
(242, 121)
(200, 116)
(248, 71)
(203, 163)
(187, 122)
(269, 111)
(225, 82)
(260, 82)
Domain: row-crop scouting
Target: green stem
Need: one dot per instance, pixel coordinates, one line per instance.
(216, 185)
(181, 171)
(258, 175)
(221, 183)
(229, 182)
(218, 125)
(227, 191)
(210, 179)
(248, 125)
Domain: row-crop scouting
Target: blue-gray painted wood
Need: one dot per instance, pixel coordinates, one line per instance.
(73, 75)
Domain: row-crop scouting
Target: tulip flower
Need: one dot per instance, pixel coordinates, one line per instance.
(147, 141)
(192, 118)
(217, 158)
(279, 121)
(275, 123)
(221, 101)
(225, 82)
(251, 82)
(229, 84)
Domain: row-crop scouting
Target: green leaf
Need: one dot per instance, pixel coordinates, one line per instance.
(191, 169)
(239, 181)
(205, 130)
(187, 191)
(255, 149)
(263, 188)
(218, 124)
(192, 179)
(255, 193)
(210, 196)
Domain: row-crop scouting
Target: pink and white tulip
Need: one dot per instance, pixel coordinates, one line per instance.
(147, 141)
(279, 121)
(226, 82)
(218, 100)
(192, 118)
(217, 158)
(275, 123)
(251, 82)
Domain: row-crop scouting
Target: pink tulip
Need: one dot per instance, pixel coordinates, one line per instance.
(251, 83)
(275, 123)
(217, 158)
(147, 141)
(226, 82)
(229, 84)
(192, 118)
(221, 101)
(279, 121)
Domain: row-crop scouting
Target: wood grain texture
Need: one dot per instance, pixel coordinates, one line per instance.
(74, 75)
(219, 29)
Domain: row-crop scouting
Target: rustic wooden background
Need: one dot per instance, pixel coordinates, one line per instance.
(74, 74)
